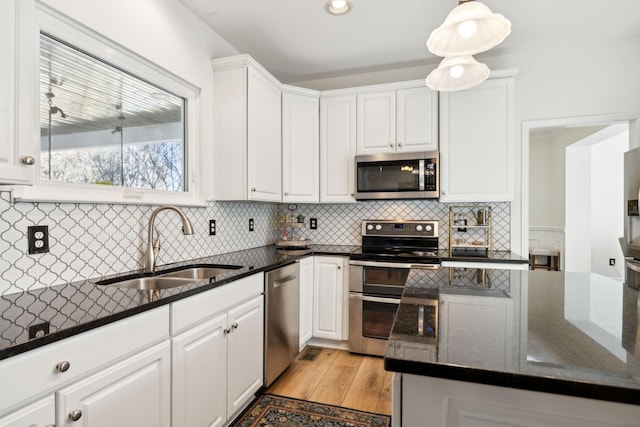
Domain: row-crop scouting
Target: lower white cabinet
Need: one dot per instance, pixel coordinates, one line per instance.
(481, 323)
(217, 361)
(306, 300)
(330, 298)
(442, 402)
(41, 413)
(132, 393)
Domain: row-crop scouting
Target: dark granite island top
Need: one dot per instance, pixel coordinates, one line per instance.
(574, 334)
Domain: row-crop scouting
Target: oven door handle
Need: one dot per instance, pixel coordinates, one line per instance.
(393, 264)
(368, 298)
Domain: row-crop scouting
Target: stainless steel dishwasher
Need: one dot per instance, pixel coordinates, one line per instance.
(282, 319)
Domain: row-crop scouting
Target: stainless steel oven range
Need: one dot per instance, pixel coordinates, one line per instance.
(378, 273)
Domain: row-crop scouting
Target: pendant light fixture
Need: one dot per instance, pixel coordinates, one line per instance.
(457, 73)
(470, 28)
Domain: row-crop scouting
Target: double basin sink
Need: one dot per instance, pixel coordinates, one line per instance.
(171, 278)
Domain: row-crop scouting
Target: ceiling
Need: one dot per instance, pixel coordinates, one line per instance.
(296, 40)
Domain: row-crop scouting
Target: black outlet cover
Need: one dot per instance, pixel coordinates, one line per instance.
(313, 223)
(38, 239)
(38, 330)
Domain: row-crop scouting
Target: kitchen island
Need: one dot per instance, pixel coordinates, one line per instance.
(515, 348)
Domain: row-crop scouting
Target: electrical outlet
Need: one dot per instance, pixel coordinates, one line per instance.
(251, 224)
(313, 223)
(38, 239)
(212, 227)
(612, 261)
(39, 330)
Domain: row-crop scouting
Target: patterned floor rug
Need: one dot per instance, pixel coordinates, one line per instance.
(279, 411)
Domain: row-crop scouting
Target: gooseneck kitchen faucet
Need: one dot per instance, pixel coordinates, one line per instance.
(153, 247)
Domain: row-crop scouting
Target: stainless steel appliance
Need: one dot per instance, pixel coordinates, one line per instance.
(397, 176)
(378, 273)
(281, 323)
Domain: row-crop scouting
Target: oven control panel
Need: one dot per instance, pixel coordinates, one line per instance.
(414, 228)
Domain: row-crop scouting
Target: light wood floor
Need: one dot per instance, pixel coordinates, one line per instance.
(337, 377)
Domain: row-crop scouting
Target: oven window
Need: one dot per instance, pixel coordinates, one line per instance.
(393, 176)
(385, 276)
(377, 319)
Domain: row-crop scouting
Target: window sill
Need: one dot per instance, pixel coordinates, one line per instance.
(71, 193)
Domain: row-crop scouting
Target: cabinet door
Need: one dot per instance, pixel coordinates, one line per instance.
(263, 136)
(38, 414)
(476, 143)
(306, 300)
(245, 353)
(481, 323)
(135, 392)
(337, 149)
(417, 120)
(300, 133)
(376, 115)
(328, 297)
(17, 83)
(199, 375)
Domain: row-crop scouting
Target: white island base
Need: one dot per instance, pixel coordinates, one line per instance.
(437, 402)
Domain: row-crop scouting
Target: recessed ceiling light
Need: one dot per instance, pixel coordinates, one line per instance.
(337, 7)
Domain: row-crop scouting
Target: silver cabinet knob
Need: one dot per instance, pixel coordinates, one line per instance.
(28, 160)
(75, 415)
(234, 325)
(399, 144)
(227, 330)
(286, 193)
(253, 189)
(391, 144)
(63, 366)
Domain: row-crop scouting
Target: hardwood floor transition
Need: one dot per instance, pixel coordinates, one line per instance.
(337, 377)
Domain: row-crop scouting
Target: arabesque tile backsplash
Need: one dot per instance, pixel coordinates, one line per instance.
(92, 240)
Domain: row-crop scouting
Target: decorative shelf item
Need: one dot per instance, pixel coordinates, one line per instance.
(470, 230)
(289, 240)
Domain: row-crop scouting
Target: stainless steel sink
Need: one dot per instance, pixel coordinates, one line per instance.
(151, 283)
(200, 272)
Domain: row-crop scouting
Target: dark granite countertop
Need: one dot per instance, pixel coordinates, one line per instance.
(81, 306)
(567, 333)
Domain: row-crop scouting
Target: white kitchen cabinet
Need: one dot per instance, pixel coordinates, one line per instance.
(445, 402)
(245, 354)
(217, 352)
(135, 392)
(479, 322)
(337, 148)
(18, 120)
(306, 300)
(199, 375)
(329, 298)
(397, 121)
(300, 145)
(247, 131)
(376, 116)
(41, 413)
(476, 142)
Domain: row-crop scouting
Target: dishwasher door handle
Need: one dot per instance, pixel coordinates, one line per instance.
(284, 280)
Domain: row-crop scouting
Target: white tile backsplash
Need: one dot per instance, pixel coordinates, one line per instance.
(92, 240)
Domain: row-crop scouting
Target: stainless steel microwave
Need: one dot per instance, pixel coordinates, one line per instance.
(397, 176)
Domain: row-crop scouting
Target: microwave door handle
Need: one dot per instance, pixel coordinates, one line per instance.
(421, 174)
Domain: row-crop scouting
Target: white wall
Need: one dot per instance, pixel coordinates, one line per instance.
(577, 254)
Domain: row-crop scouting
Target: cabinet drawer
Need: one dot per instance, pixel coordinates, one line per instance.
(193, 310)
(36, 371)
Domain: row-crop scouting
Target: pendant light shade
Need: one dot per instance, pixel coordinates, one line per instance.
(470, 28)
(457, 73)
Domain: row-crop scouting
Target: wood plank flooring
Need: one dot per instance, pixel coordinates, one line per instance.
(337, 377)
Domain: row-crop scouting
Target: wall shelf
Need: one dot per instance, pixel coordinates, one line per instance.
(470, 230)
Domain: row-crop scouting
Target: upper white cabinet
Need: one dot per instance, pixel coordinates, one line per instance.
(398, 119)
(18, 111)
(337, 148)
(476, 142)
(300, 139)
(247, 131)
